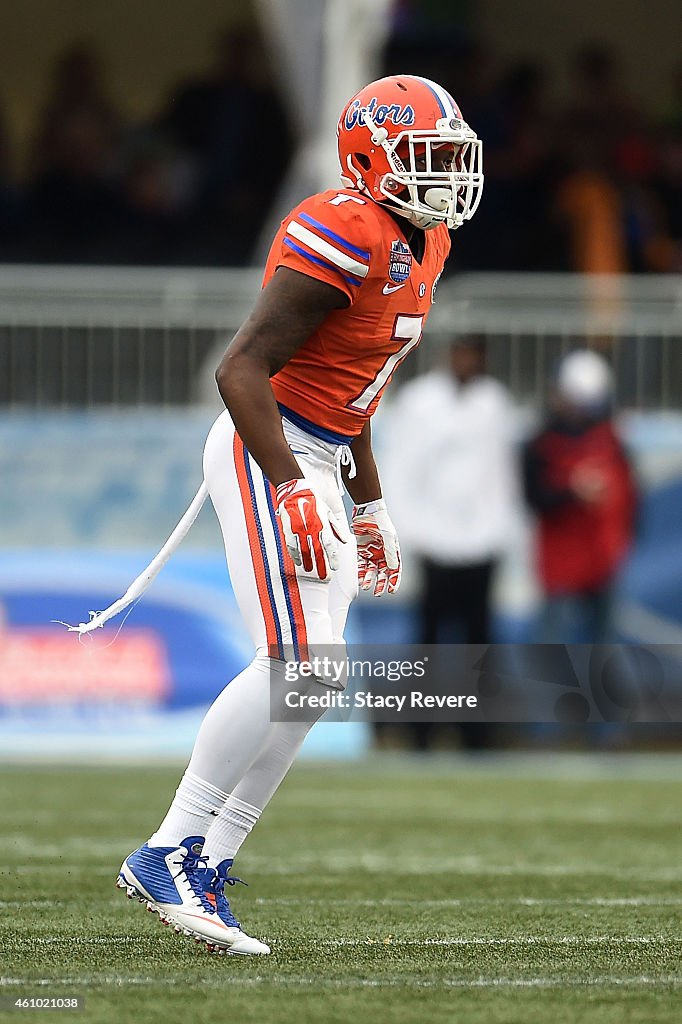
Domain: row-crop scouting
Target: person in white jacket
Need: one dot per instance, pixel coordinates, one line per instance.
(451, 471)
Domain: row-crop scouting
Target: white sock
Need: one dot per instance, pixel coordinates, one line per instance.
(194, 807)
(239, 750)
(230, 736)
(244, 807)
(229, 830)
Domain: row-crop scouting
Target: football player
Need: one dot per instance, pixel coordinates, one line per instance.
(348, 286)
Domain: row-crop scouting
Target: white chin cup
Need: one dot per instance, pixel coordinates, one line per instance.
(438, 198)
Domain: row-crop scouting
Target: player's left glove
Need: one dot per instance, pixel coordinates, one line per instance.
(379, 563)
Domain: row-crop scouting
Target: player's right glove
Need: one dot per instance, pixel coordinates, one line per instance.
(308, 526)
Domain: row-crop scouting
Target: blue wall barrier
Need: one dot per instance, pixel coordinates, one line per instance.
(86, 502)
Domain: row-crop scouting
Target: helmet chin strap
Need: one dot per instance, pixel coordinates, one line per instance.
(348, 181)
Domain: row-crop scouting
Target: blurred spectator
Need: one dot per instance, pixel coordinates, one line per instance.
(232, 124)
(667, 187)
(71, 202)
(11, 206)
(607, 203)
(589, 204)
(590, 207)
(618, 221)
(77, 95)
(579, 484)
(648, 237)
(673, 114)
(599, 114)
(150, 224)
(427, 42)
(515, 126)
(451, 476)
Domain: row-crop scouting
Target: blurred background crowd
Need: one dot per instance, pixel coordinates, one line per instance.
(190, 186)
(530, 448)
(590, 182)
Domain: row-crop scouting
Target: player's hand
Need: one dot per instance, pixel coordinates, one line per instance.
(308, 526)
(379, 565)
(588, 484)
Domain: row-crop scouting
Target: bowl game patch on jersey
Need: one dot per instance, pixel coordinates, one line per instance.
(399, 262)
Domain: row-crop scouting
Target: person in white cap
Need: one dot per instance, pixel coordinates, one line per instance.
(579, 483)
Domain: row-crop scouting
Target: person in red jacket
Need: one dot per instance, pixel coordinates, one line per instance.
(579, 483)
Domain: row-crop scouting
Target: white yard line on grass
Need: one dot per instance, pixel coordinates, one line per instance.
(465, 866)
(49, 863)
(62, 868)
(26, 850)
(18, 844)
(82, 940)
(23, 904)
(114, 902)
(123, 980)
(596, 901)
(526, 940)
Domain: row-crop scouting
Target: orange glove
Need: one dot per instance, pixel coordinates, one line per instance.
(308, 527)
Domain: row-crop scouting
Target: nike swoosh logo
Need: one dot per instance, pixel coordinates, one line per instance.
(200, 917)
(388, 288)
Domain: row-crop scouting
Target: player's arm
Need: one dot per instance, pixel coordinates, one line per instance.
(289, 309)
(379, 565)
(365, 485)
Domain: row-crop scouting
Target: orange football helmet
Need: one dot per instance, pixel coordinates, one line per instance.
(402, 141)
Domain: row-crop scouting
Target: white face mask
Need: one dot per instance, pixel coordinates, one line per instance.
(418, 187)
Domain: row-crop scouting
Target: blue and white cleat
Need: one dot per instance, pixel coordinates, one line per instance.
(214, 881)
(170, 880)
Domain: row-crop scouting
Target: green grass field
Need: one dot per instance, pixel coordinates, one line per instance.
(532, 890)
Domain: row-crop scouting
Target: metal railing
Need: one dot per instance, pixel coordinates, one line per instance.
(531, 320)
(92, 337)
(82, 336)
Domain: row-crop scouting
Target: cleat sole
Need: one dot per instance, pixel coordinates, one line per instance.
(134, 894)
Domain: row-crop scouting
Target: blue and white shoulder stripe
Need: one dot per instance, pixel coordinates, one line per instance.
(320, 244)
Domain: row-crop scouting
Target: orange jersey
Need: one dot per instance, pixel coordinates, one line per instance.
(335, 380)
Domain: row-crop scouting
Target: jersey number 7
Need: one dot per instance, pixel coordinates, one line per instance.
(407, 327)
